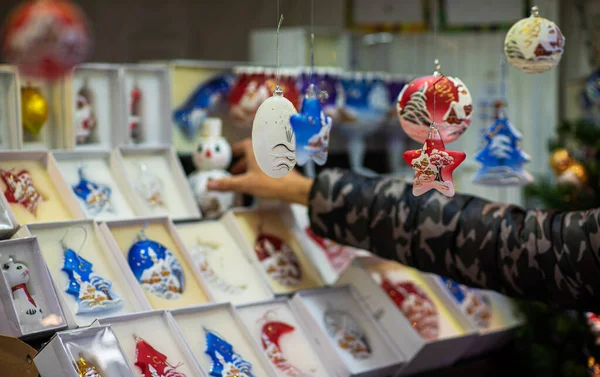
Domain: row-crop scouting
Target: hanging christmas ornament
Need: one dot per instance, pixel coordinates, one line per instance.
(34, 109)
(20, 189)
(278, 259)
(135, 115)
(475, 305)
(433, 165)
(156, 268)
(593, 321)
(452, 111)
(560, 160)
(567, 170)
(416, 306)
(95, 197)
(153, 363)
(534, 44)
(149, 187)
(270, 335)
(327, 86)
(17, 276)
(347, 333)
(85, 369)
(311, 127)
(200, 255)
(225, 361)
(501, 159)
(92, 293)
(339, 256)
(207, 100)
(85, 121)
(46, 39)
(247, 94)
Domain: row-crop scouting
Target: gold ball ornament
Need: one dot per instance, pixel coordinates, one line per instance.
(575, 174)
(34, 108)
(534, 44)
(560, 160)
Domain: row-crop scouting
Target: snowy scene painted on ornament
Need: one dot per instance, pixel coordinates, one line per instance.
(206, 100)
(501, 159)
(534, 44)
(94, 197)
(347, 334)
(92, 293)
(20, 189)
(414, 303)
(156, 268)
(200, 255)
(311, 127)
(366, 103)
(225, 361)
(475, 305)
(278, 259)
(453, 107)
(433, 166)
(85, 120)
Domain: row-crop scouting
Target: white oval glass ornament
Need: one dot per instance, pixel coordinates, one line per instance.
(534, 44)
(273, 139)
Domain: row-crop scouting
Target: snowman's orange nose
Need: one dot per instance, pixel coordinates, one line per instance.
(208, 153)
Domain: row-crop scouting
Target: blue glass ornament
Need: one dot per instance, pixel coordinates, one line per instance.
(501, 159)
(203, 101)
(156, 268)
(458, 291)
(92, 293)
(473, 303)
(311, 127)
(94, 196)
(225, 361)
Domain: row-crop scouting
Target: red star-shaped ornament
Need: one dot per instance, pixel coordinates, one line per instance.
(433, 165)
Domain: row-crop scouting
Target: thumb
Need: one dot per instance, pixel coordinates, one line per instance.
(234, 183)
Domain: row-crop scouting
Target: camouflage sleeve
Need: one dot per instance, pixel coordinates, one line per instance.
(535, 254)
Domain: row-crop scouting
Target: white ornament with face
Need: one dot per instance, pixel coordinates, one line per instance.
(17, 277)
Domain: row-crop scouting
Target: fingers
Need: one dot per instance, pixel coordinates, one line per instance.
(234, 183)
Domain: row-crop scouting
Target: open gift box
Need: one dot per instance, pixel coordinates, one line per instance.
(30, 306)
(89, 282)
(159, 261)
(430, 331)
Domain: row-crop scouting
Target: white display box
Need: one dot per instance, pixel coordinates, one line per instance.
(121, 236)
(293, 343)
(10, 108)
(331, 259)
(223, 321)
(39, 288)
(342, 309)
(456, 333)
(159, 184)
(99, 169)
(97, 345)
(58, 201)
(8, 221)
(230, 274)
(84, 237)
(160, 331)
(104, 83)
(247, 225)
(154, 83)
(55, 132)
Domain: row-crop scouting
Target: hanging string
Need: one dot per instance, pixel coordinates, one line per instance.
(278, 89)
(437, 73)
(312, 40)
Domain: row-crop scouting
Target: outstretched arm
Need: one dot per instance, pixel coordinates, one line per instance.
(533, 254)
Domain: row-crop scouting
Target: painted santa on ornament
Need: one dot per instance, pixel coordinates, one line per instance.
(211, 157)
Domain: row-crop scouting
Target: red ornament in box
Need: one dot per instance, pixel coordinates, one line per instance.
(416, 306)
(46, 39)
(20, 189)
(453, 107)
(278, 259)
(153, 363)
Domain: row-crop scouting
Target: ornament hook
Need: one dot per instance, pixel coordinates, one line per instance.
(278, 91)
(141, 236)
(535, 11)
(85, 234)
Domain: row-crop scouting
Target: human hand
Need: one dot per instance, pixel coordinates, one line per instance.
(248, 178)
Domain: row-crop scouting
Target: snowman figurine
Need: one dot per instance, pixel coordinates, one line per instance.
(17, 277)
(211, 157)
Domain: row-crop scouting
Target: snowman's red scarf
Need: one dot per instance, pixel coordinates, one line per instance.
(24, 288)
